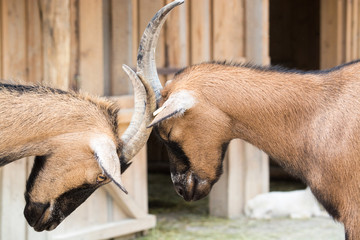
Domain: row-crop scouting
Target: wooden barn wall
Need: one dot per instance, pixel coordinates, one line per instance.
(340, 32)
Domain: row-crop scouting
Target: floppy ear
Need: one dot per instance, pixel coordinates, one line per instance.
(175, 106)
(105, 153)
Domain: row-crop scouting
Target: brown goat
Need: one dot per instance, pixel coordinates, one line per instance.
(75, 137)
(308, 121)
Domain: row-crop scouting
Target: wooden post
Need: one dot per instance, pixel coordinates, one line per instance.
(34, 43)
(56, 42)
(332, 51)
(91, 46)
(246, 169)
(13, 176)
(228, 28)
(355, 30)
(200, 26)
(74, 70)
(257, 31)
(339, 36)
(121, 45)
(177, 38)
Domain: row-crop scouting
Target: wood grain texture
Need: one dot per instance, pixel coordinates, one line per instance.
(56, 42)
(13, 176)
(201, 30)
(91, 47)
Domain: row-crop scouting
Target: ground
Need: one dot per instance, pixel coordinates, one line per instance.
(177, 219)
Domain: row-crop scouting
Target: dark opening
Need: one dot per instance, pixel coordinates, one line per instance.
(295, 33)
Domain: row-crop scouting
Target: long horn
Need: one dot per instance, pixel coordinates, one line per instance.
(146, 65)
(147, 74)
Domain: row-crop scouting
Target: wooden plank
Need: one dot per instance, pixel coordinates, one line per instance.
(229, 28)
(201, 31)
(256, 172)
(56, 42)
(177, 38)
(355, 30)
(125, 202)
(110, 230)
(135, 26)
(14, 40)
(257, 31)
(121, 45)
(358, 30)
(91, 46)
(34, 42)
(348, 30)
(331, 33)
(106, 22)
(13, 60)
(74, 46)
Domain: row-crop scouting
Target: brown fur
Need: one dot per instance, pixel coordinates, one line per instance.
(31, 117)
(41, 121)
(309, 122)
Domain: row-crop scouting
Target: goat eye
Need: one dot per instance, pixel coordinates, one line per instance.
(100, 178)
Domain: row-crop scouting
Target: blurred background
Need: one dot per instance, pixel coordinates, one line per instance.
(82, 44)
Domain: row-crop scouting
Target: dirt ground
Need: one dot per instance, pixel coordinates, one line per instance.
(178, 219)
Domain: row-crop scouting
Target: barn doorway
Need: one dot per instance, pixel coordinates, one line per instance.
(294, 43)
(295, 33)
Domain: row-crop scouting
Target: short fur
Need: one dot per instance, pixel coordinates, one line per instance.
(56, 126)
(308, 121)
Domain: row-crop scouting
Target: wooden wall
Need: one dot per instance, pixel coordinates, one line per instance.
(340, 32)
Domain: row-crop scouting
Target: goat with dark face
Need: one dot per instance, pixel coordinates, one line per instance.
(308, 121)
(75, 137)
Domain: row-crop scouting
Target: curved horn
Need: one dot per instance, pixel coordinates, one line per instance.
(146, 66)
(137, 133)
(139, 105)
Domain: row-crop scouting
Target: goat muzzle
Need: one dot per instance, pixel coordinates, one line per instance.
(190, 187)
(37, 215)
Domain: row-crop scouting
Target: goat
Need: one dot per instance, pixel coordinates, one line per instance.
(74, 136)
(308, 121)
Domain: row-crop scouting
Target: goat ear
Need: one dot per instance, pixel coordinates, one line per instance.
(175, 106)
(105, 153)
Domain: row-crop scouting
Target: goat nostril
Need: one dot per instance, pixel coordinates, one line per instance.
(179, 190)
